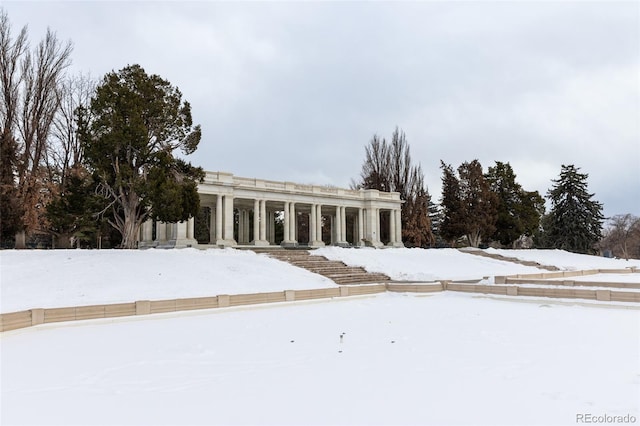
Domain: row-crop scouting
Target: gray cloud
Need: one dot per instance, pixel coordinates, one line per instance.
(294, 91)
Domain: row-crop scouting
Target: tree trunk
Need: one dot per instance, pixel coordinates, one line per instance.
(625, 251)
(130, 229)
(473, 238)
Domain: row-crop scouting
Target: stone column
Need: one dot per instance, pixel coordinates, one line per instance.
(337, 226)
(256, 220)
(340, 226)
(271, 229)
(146, 234)
(161, 232)
(181, 230)
(263, 222)
(219, 215)
(247, 226)
(359, 242)
(171, 232)
(286, 212)
(378, 226)
(372, 230)
(398, 226)
(191, 225)
(229, 239)
(343, 225)
(243, 226)
(315, 226)
(182, 235)
(319, 225)
(259, 223)
(293, 222)
(212, 226)
(392, 227)
(312, 225)
(332, 226)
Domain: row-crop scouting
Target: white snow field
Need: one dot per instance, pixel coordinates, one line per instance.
(445, 359)
(415, 264)
(58, 278)
(566, 260)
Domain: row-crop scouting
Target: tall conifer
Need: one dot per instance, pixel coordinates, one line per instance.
(575, 220)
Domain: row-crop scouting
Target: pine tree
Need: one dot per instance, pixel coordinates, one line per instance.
(575, 220)
(469, 207)
(136, 121)
(519, 211)
(480, 203)
(452, 209)
(71, 213)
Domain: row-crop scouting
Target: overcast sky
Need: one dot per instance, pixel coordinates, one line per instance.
(294, 91)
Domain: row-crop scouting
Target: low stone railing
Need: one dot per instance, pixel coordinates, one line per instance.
(559, 293)
(504, 286)
(32, 317)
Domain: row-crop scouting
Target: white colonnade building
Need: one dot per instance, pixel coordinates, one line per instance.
(243, 211)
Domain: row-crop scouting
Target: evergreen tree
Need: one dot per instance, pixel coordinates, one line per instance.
(480, 203)
(136, 123)
(418, 230)
(530, 212)
(435, 216)
(575, 220)
(519, 211)
(469, 207)
(452, 209)
(71, 213)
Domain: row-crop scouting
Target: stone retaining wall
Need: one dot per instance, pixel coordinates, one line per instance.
(31, 317)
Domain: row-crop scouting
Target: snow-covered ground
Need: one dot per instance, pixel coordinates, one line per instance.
(443, 359)
(57, 278)
(566, 260)
(406, 264)
(447, 358)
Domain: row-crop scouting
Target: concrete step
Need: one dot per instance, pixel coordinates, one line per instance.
(335, 270)
(327, 264)
(326, 271)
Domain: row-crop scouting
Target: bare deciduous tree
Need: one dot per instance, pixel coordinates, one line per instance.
(65, 151)
(31, 81)
(11, 51)
(622, 236)
(388, 167)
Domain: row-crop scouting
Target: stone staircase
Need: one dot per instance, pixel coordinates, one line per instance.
(335, 270)
(496, 256)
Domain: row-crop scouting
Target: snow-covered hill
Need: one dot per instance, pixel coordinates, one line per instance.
(446, 358)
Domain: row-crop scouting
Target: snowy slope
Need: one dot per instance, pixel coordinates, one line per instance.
(54, 278)
(414, 264)
(566, 260)
(442, 359)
